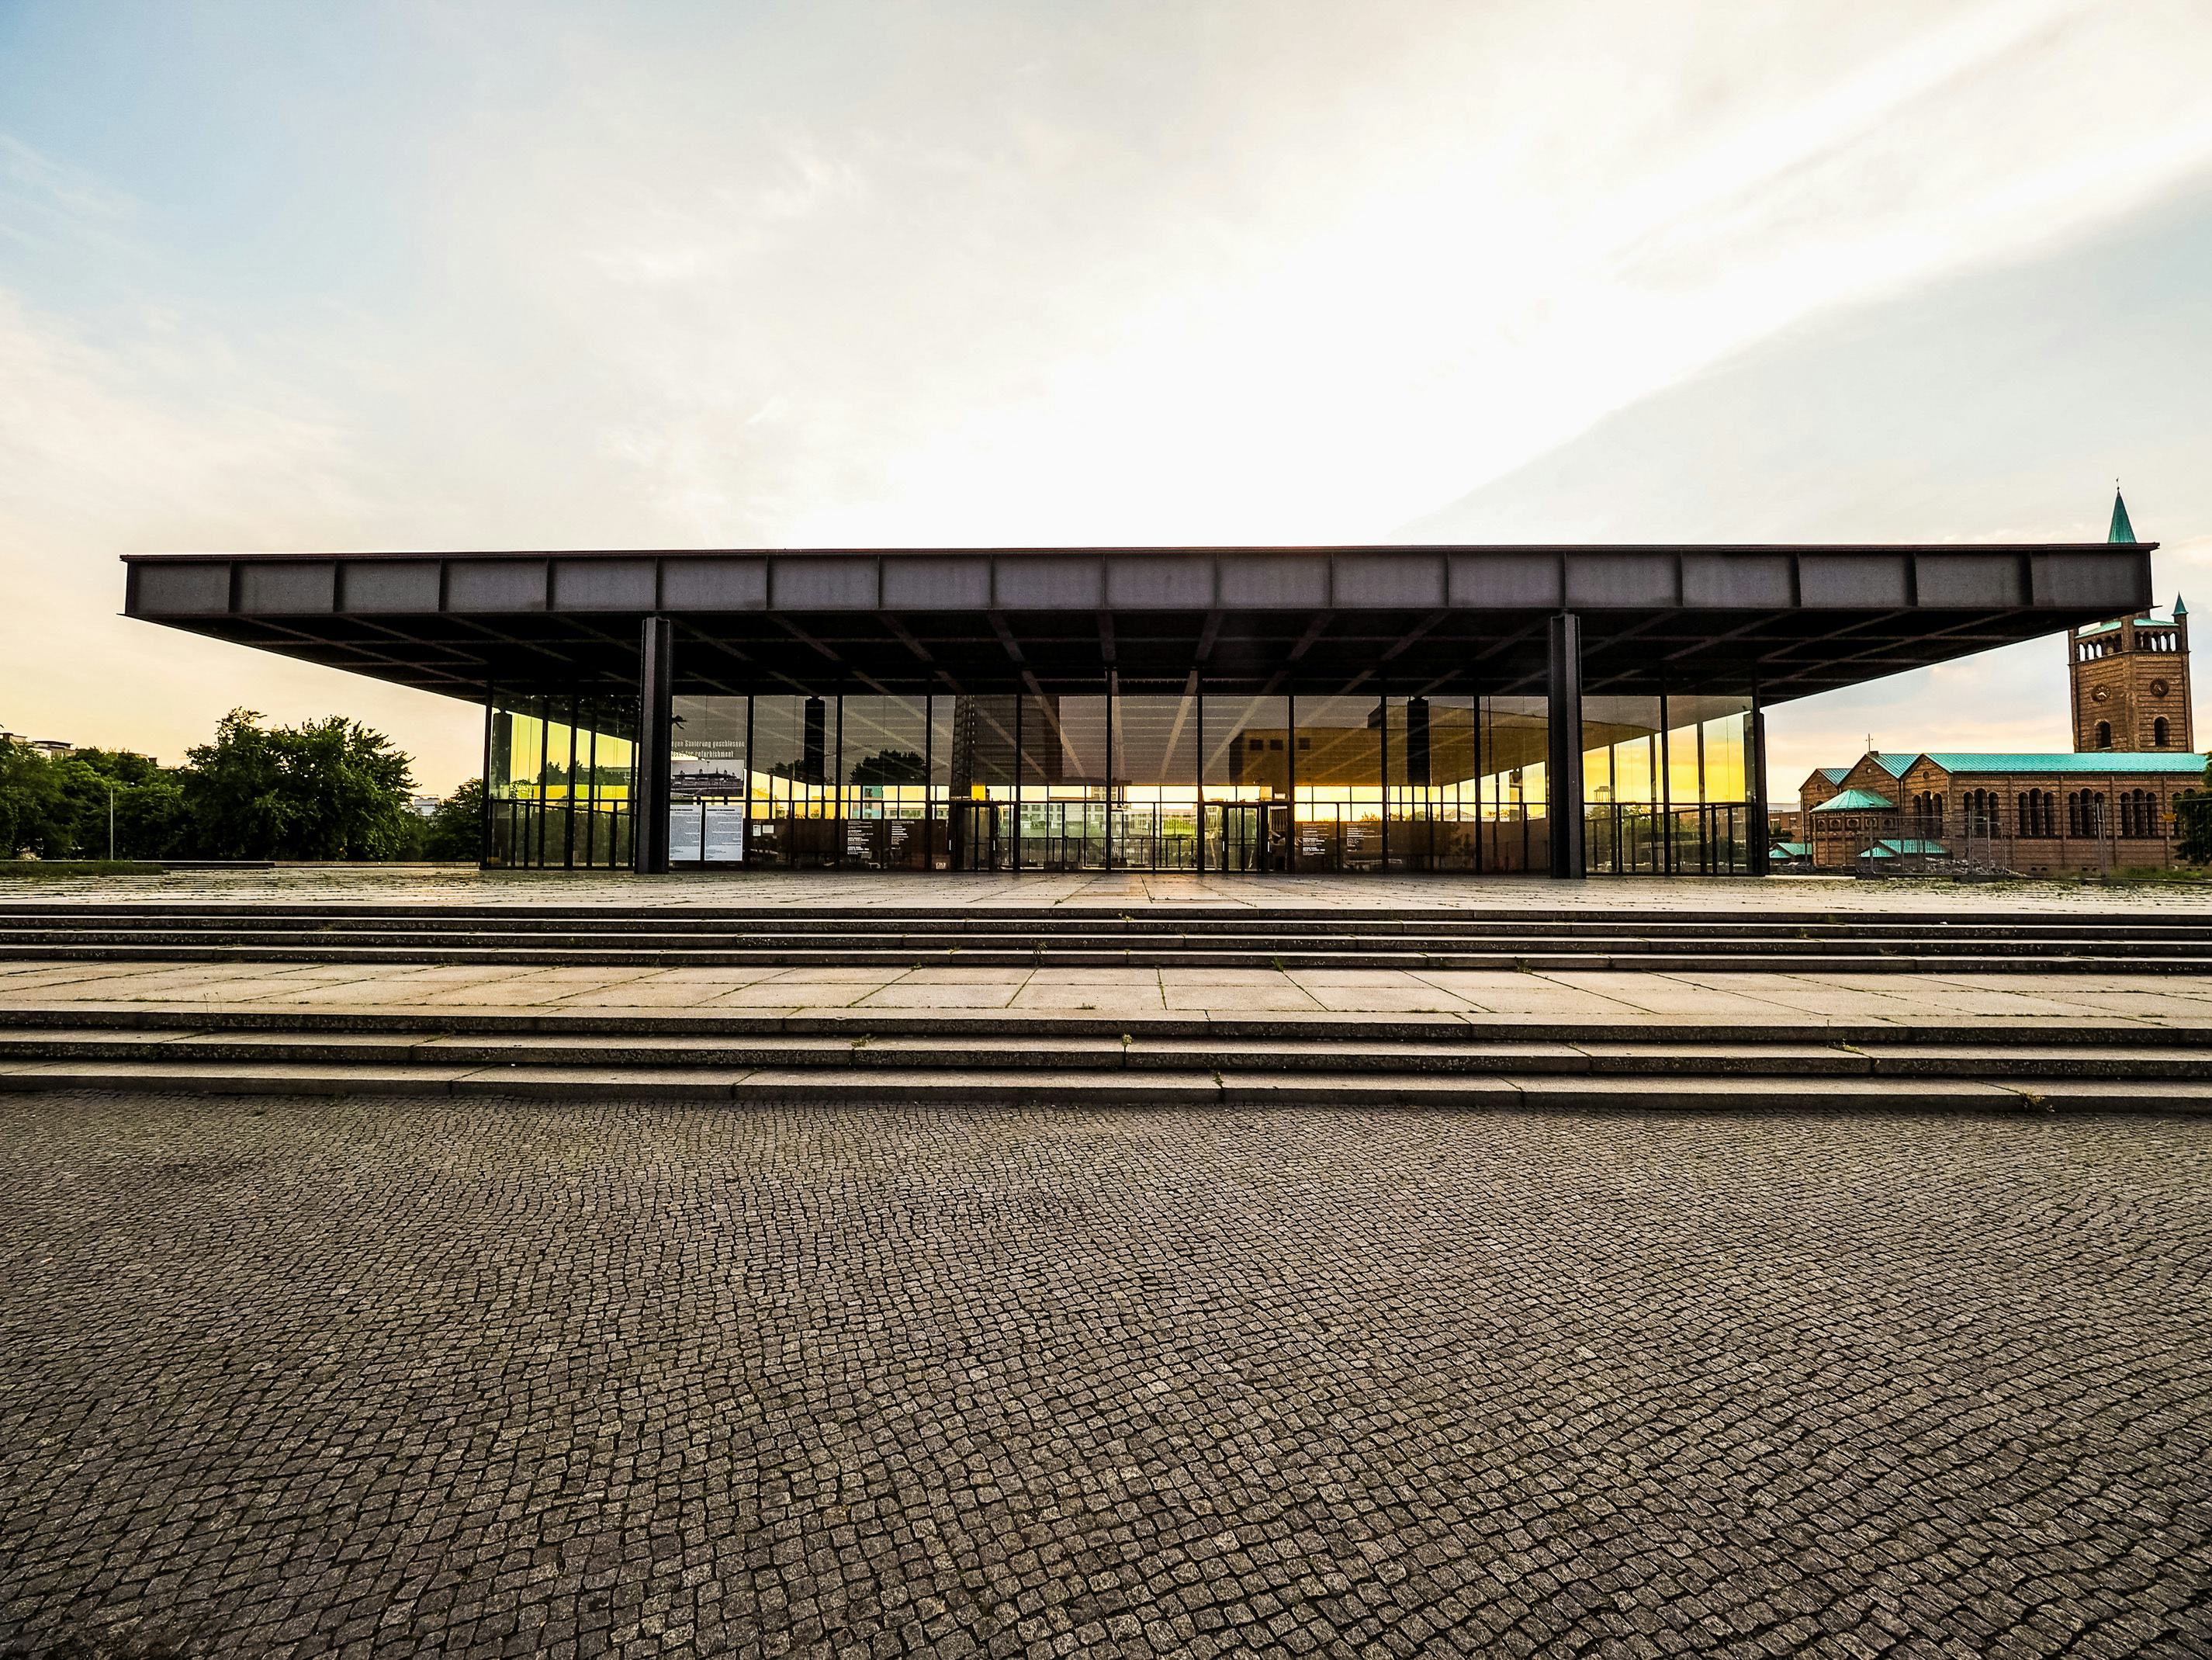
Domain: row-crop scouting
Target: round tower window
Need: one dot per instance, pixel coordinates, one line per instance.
(2158, 688)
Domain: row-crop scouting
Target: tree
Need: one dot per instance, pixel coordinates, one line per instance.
(34, 817)
(455, 830)
(147, 800)
(327, 789)
(891, 767)
(2192, 822)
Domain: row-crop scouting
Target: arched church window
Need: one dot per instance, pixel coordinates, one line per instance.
(2104, 735)
(2159, 730)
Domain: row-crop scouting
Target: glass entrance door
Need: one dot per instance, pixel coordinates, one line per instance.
(1237, 836)
(981, 835)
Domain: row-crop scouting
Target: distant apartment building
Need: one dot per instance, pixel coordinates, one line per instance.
(51, 748)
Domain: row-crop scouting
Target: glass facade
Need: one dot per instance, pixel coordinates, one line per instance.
(1163, 777)
(557, 782)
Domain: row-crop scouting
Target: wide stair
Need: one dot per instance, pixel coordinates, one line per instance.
(992, 1059)
(1763, 941)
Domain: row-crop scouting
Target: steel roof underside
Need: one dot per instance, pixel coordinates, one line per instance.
(1786, 621)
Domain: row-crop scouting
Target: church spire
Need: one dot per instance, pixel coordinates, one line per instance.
(2122, 530)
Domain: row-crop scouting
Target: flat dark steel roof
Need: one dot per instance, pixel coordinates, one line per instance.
(1786, 620)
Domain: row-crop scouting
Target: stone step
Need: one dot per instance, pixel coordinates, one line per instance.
(795, 923)
(1350, 916)
(142, 1021)
(1965, 959)
(1659, 1056)
(1255, 941)
(1044, 1087)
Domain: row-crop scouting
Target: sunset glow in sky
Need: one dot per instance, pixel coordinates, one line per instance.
(401, 275)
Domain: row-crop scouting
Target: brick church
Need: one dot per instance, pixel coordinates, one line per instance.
(2106, 805)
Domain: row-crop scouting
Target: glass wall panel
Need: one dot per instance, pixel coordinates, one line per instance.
(1245, 765)
(1431, 784)
(790, 773)
(944, 720)
(1513, 742)
(886, 745)
(1155, 819)
(1623, 773)
(980, 736)
(707, 779)
(1339, 794)
(1061, 820)
(1706, 741)
(554, 802)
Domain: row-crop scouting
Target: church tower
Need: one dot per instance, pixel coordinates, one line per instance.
(2130, 676)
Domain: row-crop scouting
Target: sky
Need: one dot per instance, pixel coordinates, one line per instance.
(669, 275)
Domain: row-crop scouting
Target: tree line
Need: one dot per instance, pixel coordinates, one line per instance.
(332, 788)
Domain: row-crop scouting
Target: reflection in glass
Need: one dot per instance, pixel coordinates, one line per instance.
(556, 781)
(1433, 783)
(1155, 779)
(1245, 763)
(1339, 792)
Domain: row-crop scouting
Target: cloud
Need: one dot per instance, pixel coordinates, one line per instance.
(989, 272)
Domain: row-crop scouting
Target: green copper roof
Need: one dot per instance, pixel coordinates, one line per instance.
(1834, 775)
(2122, 530)
(1787, 850)
(1899, 849)
(1856, 801)
(1895, 765)
(2095, 761)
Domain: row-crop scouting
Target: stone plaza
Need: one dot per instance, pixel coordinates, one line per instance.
(399, 1377)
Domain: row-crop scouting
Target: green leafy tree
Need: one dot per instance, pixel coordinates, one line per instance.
(326, 789)
(35, 817)
(455, 830)
(2192, 822)
(147, 800)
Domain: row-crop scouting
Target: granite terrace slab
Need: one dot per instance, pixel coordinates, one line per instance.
(369, 884)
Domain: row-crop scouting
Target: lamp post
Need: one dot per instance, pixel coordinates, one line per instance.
(111, 821)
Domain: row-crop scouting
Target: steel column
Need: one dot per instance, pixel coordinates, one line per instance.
(649, 783)
(1563, 783)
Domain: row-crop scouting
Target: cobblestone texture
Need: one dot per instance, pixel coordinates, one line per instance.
(397, 1378)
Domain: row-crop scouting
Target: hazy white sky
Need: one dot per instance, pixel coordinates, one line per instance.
(395, 276)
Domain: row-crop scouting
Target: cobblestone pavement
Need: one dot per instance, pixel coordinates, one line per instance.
(403, 1378)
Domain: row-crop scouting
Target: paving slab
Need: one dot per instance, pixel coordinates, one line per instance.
(1903, 1000)
(939, 994)
(1105, 892)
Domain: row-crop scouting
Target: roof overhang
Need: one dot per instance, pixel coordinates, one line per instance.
(1787, 621)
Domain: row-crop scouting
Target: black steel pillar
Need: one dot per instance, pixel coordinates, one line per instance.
(649, 783)
(1563, 783)
(1757, 828)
